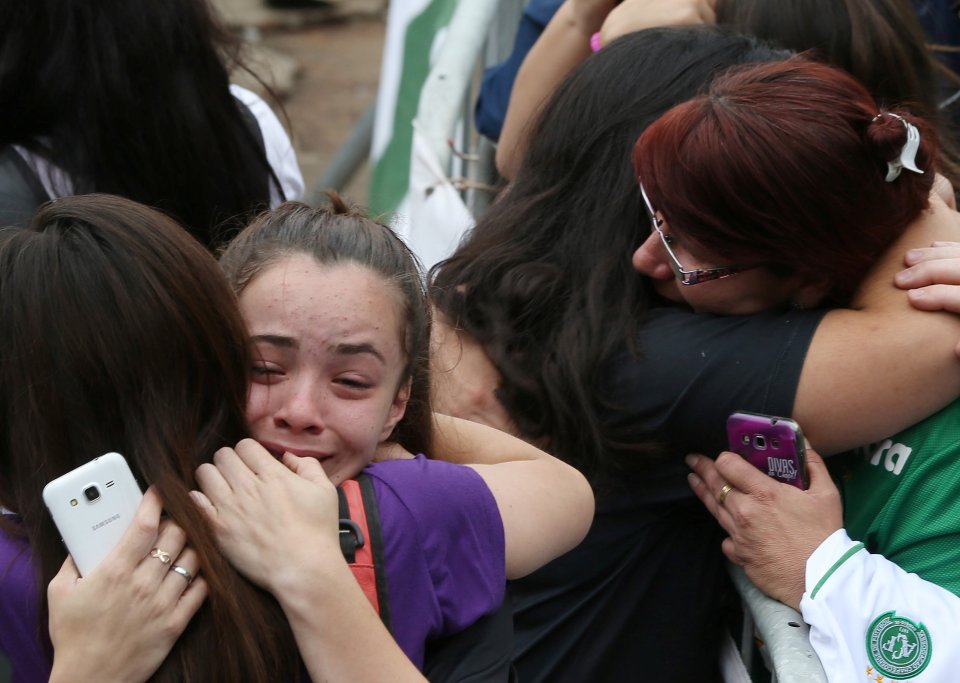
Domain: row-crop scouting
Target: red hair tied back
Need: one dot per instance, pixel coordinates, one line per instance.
(787, 164)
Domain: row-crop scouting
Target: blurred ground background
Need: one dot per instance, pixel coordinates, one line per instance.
(324, 63)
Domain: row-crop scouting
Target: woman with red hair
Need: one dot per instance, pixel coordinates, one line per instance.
(784, 165)
(781, 187)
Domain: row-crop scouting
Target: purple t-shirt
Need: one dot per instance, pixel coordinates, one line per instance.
(443, 548)
(443, 552)
(19, 634)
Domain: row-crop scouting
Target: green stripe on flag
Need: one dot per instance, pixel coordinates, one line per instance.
(391, 175)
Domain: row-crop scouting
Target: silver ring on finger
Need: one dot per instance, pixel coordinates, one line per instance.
(184, 572)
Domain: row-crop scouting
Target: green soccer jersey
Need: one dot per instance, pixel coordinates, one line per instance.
(902, 499)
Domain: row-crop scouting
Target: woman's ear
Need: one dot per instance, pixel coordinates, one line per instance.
(397, 409)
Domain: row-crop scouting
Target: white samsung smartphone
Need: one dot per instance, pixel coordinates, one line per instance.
(92, 506)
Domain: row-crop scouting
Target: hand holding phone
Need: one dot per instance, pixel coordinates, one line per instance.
(92, 506)
(774, 445)
(121, 621)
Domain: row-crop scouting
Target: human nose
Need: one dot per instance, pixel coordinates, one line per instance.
(302, 410)
(650, 259)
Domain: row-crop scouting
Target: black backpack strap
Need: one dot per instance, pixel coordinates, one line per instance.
(21, 191)
(351, 537)
(376, 546)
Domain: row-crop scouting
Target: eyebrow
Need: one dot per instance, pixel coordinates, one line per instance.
(356, 349)
(276, 340)
(339, 349)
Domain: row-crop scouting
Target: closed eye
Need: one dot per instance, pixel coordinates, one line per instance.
(353, 383)
(265, 374)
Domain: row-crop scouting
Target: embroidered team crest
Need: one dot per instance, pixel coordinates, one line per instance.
(898, 647)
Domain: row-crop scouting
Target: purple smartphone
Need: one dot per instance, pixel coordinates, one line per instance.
(773, 445)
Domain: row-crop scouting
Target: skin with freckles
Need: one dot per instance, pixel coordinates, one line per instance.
(327, 362)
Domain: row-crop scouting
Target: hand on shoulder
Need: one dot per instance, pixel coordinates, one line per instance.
(932, 277)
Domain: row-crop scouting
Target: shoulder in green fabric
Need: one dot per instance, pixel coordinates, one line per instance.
(902, 498)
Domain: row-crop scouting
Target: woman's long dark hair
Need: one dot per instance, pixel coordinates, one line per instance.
(119, 333)
(544, 281)
(132, 98)
(879, 42)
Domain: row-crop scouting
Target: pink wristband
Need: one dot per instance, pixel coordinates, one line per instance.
(595, 42)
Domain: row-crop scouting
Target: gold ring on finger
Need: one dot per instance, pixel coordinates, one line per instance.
(161, 555)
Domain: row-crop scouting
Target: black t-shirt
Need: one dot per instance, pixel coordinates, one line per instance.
(644, 596)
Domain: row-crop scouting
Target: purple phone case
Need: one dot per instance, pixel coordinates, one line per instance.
(773, 445)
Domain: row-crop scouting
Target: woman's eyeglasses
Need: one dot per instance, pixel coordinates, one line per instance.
(687, 277)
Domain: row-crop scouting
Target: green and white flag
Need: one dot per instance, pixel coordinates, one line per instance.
(410, 178)
(415, 31)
